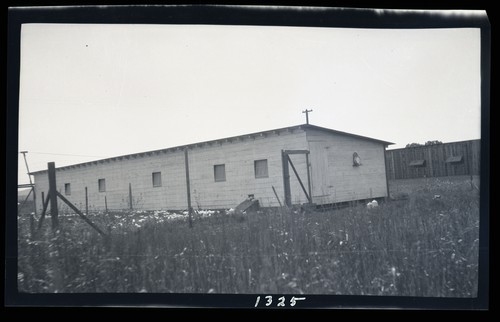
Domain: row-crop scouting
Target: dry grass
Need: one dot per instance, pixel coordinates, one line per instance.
(423, 246)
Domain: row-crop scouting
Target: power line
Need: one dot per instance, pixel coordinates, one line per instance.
(72, 155)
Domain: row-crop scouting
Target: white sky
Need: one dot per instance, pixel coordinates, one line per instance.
(94, 91)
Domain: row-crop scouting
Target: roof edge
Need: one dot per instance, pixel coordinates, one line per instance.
(226, 139)
(426, 146)
(345, 133)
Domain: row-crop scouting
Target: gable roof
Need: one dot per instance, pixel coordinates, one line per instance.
(324, 129)
(303, 127)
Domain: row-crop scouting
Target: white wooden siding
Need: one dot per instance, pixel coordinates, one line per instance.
(334, 178)
(238, 157)
(118, 175)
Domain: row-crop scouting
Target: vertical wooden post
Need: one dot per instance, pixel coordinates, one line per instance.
(32, 226)
(44, 209)
(34, 200)
(106, 204)
(86, 202)
(468, 158)
(286, 179)
(53, 195)
(386, 175)
(188, 186)
(130, 195)
(393, 174)
(43, 199)
(309, 179)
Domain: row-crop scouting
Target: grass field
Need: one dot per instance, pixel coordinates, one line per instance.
(423, 246)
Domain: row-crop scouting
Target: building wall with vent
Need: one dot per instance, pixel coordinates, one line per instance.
(335, 175)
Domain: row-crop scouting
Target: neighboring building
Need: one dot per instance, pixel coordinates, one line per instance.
(437, 160)
(223, 173)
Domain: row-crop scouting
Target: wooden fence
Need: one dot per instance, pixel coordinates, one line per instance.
(447, 159)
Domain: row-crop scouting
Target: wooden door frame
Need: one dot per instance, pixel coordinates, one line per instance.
(285, 160)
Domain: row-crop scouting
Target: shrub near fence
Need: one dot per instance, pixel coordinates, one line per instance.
(447, 159)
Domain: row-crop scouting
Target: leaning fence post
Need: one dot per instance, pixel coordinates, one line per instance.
(53, 195)
(76, 210)
(277, 196)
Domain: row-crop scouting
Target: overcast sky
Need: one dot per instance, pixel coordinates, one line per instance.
(93, 91)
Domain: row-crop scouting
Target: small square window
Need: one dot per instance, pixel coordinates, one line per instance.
(67, 189)
(102, 185)
(220, 172)
(156, 179)
(260, 167)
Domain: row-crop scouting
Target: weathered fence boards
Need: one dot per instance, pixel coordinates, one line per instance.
(447, 159)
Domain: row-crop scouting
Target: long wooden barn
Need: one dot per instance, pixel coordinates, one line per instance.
(270, 166)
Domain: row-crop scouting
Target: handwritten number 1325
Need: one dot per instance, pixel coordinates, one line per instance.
(281, 300)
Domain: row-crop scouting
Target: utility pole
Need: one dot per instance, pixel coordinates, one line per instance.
(307, 115)
(29, 176)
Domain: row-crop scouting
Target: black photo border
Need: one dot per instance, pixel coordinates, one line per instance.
(315, 16)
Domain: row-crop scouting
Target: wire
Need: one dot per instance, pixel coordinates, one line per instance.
(74, 155)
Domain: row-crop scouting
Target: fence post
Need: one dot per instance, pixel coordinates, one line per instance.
(53, 195)
(43, 199)
(32, 226)
(130, 195)
(309, 190)
(386, 173)
(188, 187)
(468, 156)
(106, 204)
(286, 179)
(54, 213)
(34, 200)
(86, 202)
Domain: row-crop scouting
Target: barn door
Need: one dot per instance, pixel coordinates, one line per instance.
(286, 162)
(320, 176)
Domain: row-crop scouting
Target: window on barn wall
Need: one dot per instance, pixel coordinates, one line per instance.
(220, 172)
(156, 179)
(260, 167)
(102, 185)
(67, 189)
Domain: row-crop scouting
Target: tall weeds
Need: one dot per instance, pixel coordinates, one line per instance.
(424, 246)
